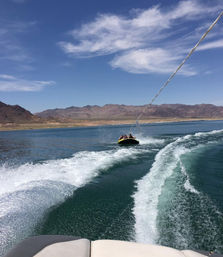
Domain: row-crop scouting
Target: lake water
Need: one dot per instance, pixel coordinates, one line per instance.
(77, 181)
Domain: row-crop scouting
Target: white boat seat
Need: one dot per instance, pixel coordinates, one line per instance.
(79, 248)
(112, 248)
(69, 246)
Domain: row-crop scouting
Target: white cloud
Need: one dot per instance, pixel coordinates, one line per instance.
(8, 77)
(150, 61)
(11, 45)
(145, 41)
(211, 45)
(108, 34)
(10, 83)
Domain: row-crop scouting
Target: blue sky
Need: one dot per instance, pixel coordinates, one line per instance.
(56, 53)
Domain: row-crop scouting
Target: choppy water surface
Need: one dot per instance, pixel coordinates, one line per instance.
(168, 190)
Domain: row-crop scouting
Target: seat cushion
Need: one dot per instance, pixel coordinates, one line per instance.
(38, 244)
(110, 248)
(79, 248)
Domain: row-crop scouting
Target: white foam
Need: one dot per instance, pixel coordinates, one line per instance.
(189, 187)
(145, 140)
(213, 132)
(77, 170)
(149, 188)
(29, 190)
(21, 210)
(187, 184)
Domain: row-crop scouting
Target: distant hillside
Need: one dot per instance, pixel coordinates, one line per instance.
(15, 114)
(128, 112)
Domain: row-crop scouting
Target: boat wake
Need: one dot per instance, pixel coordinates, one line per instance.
(145, 140)
(165, 198)
(29, 190)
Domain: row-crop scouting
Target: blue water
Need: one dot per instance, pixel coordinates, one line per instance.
(78, 181)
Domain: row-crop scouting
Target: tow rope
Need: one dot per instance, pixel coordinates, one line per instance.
(181, 64)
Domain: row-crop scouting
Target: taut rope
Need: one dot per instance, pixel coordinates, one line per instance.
(182, 63)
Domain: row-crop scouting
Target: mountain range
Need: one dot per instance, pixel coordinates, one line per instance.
(130, 112)
(16, 114)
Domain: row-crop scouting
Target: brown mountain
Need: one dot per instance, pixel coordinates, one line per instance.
(16, 114)
(129, 112)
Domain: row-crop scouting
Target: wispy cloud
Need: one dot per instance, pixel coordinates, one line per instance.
(211, 45)
(10, 83)
(150, 61)
(11, 45)
(144, 41)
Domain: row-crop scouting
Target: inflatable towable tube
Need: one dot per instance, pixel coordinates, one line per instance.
(128, 141)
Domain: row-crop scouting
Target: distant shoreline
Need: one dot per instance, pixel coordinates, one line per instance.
(92, 123)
